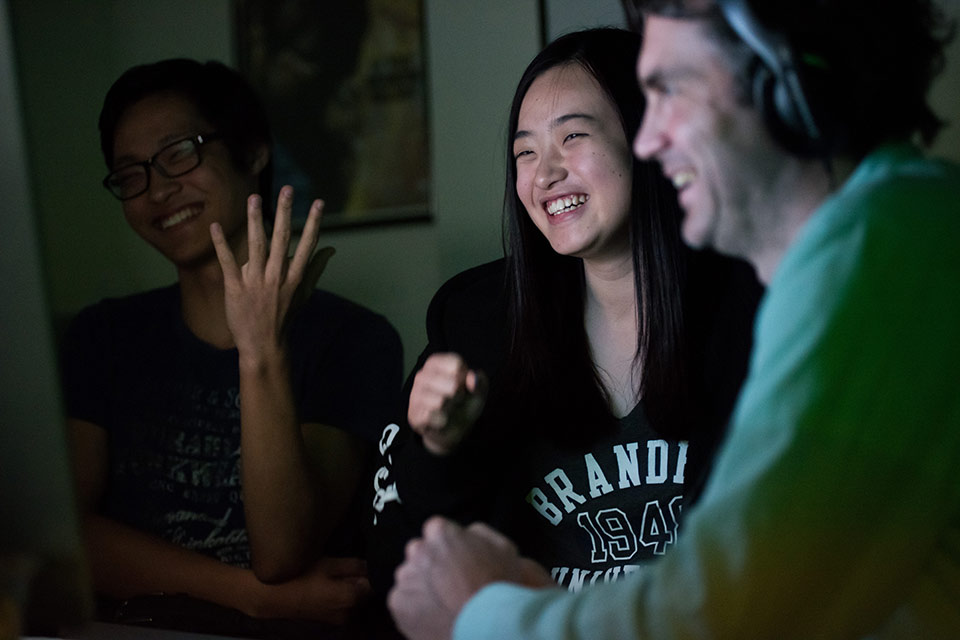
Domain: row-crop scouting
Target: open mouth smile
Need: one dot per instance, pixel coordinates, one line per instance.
(179, 216)
(564, 204)
(682, 179)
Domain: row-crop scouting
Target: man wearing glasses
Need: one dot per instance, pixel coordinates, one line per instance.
(172, 161)
(220, 424)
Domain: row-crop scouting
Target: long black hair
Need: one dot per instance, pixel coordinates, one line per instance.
(550, 370)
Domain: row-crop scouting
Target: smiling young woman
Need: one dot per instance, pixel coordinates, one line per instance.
(563, 395)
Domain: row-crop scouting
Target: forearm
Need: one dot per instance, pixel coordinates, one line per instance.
(126, 563)
(280, 498)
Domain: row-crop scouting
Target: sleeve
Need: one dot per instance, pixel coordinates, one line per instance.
(834, 509)
(353, 381)
(504, 610)
(84, 358)
(410, 483)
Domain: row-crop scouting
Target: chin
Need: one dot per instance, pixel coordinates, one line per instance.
(190, 257)
(694, 236)
(563, 248)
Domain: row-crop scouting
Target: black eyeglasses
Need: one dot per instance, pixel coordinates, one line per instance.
(175, 159)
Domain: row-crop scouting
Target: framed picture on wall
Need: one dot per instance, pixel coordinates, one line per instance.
(344, 86)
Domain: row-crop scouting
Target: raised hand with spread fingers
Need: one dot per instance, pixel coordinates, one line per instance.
(283, 507)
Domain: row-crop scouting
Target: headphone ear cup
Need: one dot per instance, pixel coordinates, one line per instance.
(778, 93)
(772, 99)
(786, 109)
(763, 90)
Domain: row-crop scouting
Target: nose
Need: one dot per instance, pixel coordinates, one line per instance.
(161, 187)
(550, 169)
(650, 139)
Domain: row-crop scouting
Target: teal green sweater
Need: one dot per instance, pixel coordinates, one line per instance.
(834, 508)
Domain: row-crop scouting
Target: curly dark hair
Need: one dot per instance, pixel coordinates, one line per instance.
(866, 65)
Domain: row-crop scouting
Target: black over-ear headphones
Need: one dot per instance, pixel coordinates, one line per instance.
(777, 90)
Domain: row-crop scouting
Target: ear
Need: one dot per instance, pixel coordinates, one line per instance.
(261, 156)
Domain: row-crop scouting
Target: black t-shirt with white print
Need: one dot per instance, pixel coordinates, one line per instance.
(170, 406)
(592, 515)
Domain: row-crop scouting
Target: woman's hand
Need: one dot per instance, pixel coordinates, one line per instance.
(261, 295)
(445, 401)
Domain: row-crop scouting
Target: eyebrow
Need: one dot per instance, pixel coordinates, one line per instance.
(522, 133)
(658, 78)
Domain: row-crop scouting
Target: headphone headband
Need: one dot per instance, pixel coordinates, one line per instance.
(776, 55)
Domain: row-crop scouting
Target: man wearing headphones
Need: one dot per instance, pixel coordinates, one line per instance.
(834, 507)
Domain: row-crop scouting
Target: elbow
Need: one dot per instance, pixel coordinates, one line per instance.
(278, 555)
(271, 573)
(274, 570)
(275, 557)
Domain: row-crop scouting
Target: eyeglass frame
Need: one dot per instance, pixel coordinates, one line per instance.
(197, 141)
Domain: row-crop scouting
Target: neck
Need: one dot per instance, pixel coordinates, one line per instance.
(202, 301)
(202, 305)
(610, 289)
(794, 198)
(611, 321)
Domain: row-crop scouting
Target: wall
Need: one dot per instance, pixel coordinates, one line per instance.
(30, 402)
(563, 16)
(945, 93)
(70, 52)
(41, 558)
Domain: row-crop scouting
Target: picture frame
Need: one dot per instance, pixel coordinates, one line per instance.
(344, 85)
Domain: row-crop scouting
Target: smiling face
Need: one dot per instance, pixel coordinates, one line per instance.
(714, 148)
(174, 214)
(573, 162)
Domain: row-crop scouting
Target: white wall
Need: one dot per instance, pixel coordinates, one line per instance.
(70, 52)
(945, 94)
(32, 453)
(39, 534)
(563, 16)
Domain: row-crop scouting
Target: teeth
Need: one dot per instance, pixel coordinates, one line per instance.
(179, 217)
(682, 179)
(567, 203)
